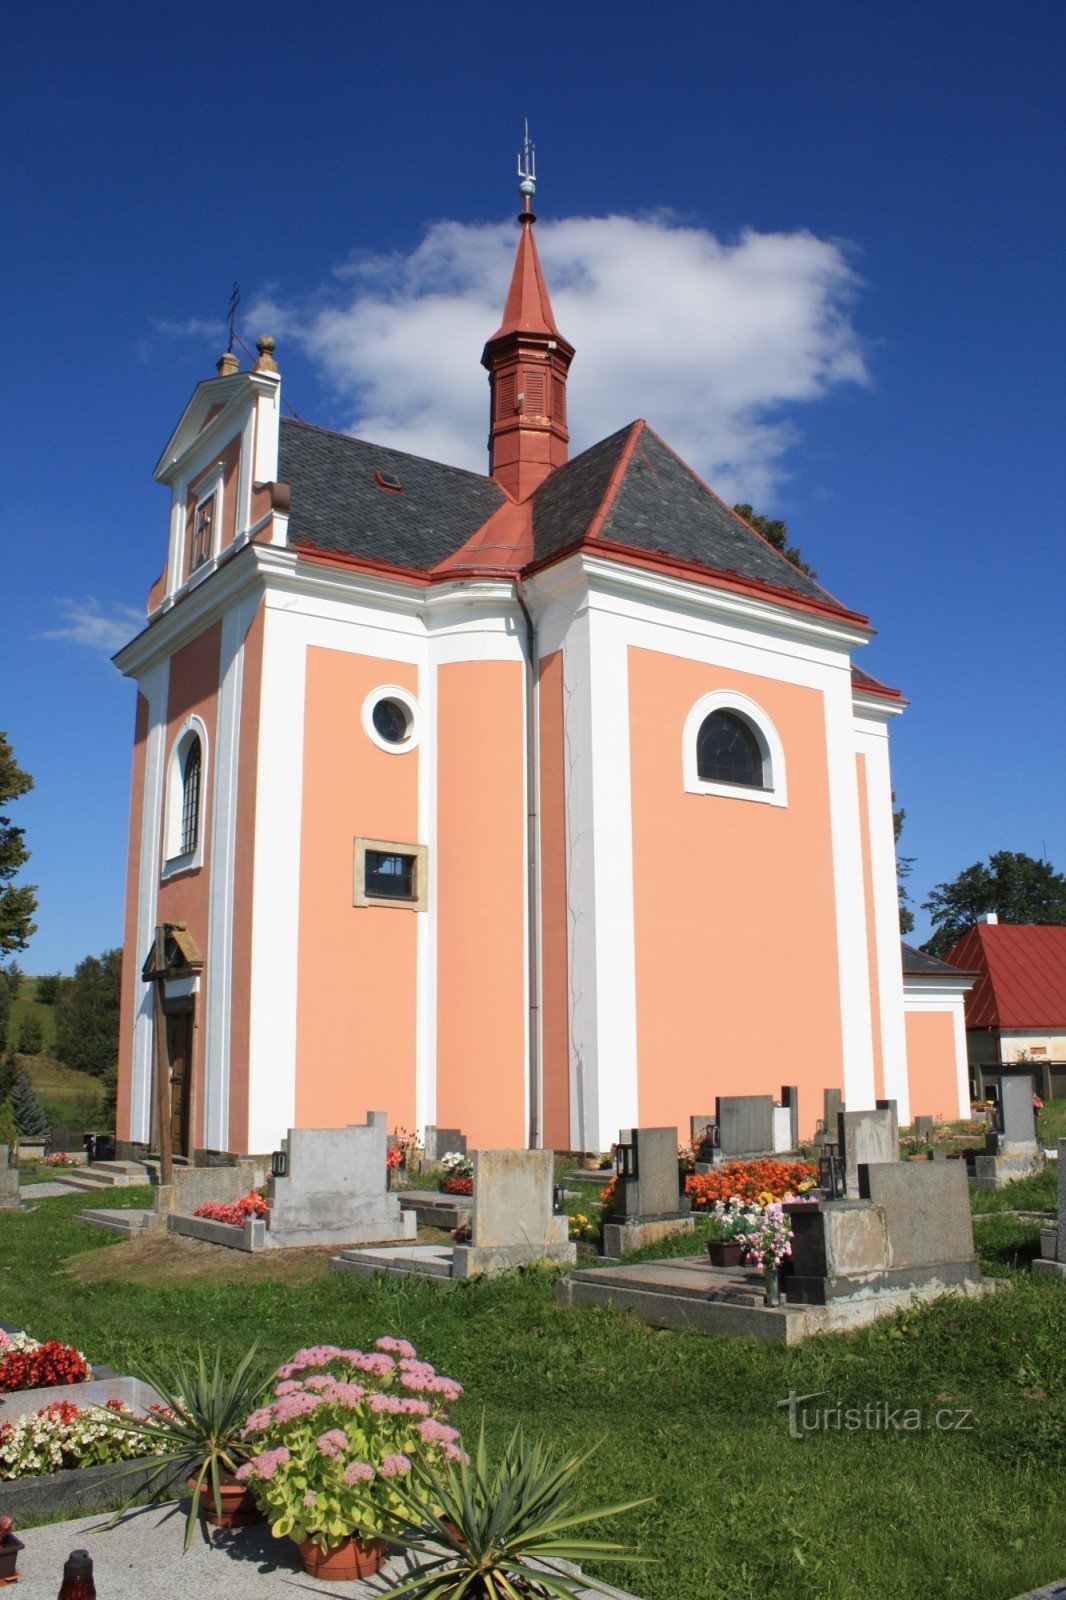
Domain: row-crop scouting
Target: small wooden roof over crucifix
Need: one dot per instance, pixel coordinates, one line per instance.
(174, 954)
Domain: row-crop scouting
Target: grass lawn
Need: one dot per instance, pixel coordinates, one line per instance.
(742, 1511)
(1051, 1124)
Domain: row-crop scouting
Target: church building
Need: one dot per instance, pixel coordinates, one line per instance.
(539, 803)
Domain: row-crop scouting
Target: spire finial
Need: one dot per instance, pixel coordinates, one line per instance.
(527, 171)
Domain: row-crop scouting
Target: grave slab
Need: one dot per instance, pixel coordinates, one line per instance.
(141, 1559)
(688, 1292)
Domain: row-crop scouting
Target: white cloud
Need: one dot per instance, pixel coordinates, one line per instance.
(103, 629)
(714, 343)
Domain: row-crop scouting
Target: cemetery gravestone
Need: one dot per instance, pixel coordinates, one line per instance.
(923, 1127)
(9, 1180)
(703, 1135)
(910, 1228)
(647, 1202)
(335, 1190)
(1052, 1260)
(790, 1100)
(440, 1141)
(866, 1137)
(512, 1220)
(745, 1125)
(1013, 1150)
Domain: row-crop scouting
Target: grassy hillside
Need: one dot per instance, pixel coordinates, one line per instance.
(26, 1003)
(67, 1096)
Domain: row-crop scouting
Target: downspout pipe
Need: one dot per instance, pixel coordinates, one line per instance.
(532, 874)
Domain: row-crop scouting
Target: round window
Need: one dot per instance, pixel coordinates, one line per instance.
(392, 720)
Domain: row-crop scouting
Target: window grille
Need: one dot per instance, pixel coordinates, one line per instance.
(190, 800)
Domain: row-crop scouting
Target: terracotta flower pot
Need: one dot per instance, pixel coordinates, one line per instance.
(9, 1558)
(725, 1252)
(352, 1558)
(239, 1509)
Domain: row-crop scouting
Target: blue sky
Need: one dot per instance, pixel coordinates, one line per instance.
(834, 269)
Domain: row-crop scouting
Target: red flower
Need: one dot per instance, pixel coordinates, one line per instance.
(458, 1186)
(249, 1205)
(50, 1365)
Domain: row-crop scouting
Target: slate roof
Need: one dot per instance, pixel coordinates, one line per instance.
(338, 506)
(916, 964)
(1023, 974)
(630, 490)
(662, 506)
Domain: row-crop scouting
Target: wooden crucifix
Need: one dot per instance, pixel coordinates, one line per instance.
(162, 1059)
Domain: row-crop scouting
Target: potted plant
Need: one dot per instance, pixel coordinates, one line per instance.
(201, 1433)
(10, 1547)
(727, 1251)
(336, 1444)
(508, 1532)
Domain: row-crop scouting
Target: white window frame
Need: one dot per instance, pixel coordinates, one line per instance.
(212, 484)
(775, 790)
(174, 859)
(392, 691)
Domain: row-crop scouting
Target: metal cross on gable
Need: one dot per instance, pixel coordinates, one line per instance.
(231, 314)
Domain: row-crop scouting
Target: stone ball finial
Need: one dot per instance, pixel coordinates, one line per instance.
(227, 364)
(265, 345)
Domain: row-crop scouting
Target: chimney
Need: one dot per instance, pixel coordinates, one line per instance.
(991, 918)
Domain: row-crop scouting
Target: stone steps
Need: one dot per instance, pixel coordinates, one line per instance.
(108, 1175)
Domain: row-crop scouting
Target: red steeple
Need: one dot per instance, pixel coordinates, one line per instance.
(528, 360)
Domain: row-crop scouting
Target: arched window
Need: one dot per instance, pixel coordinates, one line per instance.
(190, 797)
(727, 751)
(730, 748)
(185, 799)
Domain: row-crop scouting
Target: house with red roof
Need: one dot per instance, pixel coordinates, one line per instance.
(1016, 1011)
(538, 803)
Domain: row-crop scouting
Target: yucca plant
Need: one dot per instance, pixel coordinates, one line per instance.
(200, 1429)
(502, 1533)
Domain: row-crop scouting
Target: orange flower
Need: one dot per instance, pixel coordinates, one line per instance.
(760, 1181)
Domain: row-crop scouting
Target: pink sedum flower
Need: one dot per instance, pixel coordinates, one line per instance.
(290, 1386)
(309, 1501)
(392, 1465)
(244, 1472)
(397, 1347)
(434, 1432)
(344, 1394)
(332, 1443)
(268, 1463)
(358, 1472)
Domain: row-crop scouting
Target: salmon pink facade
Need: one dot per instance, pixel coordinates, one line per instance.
(542, 804)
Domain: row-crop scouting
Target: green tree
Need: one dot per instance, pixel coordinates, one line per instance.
(87, 1009)
(1017, 887)
(31, 1119)
(8, 1131)
(31, 1035)
(17, 905)
(776, 533)
(48, 988)
(904, 868)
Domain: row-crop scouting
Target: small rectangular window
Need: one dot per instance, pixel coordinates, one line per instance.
(203, 527)
(390, 873)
